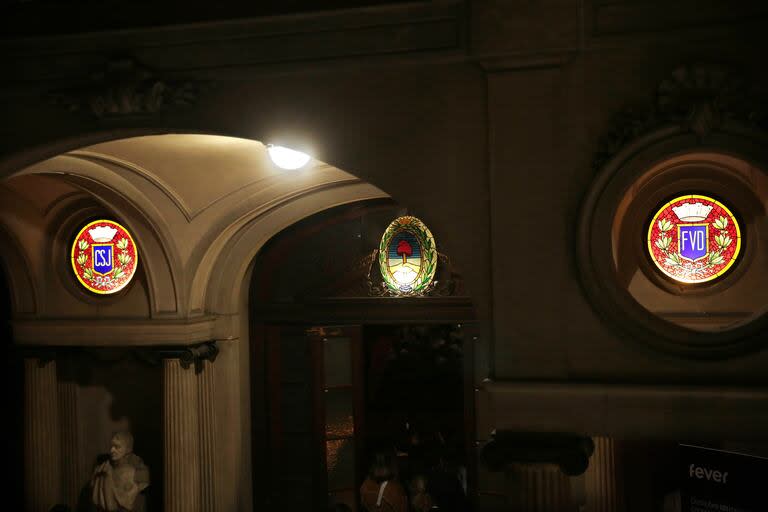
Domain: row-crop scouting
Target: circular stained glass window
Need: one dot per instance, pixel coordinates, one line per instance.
(104, 257)
(694, 239)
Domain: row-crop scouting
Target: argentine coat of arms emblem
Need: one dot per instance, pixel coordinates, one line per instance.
(104, 257)
(694, 239)
(407, 256)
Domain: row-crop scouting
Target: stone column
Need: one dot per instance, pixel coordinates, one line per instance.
(600, 480)
(181, 436)
(42, 455)
(72, 467)
(209, 486)
(541, 488)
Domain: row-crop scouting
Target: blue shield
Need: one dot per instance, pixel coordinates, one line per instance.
(102, 258)
(693, 241)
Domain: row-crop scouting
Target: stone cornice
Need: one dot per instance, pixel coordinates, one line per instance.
(113, 332)
(188, 355)
(526, 61)
(411, 28)
(625, 411)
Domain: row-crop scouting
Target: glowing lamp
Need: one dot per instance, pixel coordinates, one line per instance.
(286, 158)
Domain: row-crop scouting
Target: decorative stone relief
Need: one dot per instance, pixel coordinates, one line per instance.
(697, 98)
(447, 280)
(126, 88)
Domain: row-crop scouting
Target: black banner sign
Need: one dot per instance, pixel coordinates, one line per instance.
(720, 481)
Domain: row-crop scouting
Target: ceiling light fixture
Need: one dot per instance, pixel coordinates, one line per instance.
(286, 158)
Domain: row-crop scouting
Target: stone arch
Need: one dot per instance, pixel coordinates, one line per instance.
(225, 291)
(188, 285)
(16, 268)
(435, 203)
(108, 188)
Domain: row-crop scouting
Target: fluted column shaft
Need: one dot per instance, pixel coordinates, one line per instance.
(542, 488)
(209, 486)
(181, 436)
(600, 479)
(72, 467)
(42, 435)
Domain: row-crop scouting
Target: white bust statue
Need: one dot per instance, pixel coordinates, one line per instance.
(118, 481)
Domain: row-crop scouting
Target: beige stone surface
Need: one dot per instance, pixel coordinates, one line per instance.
(601, 480)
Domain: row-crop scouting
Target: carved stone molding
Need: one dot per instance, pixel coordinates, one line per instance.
(113, 332)
(125, 88)
(188, 355)
(235, 48)
(698, 98)
(647, 411)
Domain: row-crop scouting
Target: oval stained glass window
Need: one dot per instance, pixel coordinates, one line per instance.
(407, 256)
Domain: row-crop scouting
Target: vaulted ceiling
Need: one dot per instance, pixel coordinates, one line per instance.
(200, 207)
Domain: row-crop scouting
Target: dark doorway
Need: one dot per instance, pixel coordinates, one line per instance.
(414, 406)
(335, 396)
(340, 370)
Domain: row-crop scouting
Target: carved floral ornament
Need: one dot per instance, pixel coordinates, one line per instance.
(699, 99)
(126, 88)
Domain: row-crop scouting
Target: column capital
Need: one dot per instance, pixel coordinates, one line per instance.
(570, 452)
(187, 355)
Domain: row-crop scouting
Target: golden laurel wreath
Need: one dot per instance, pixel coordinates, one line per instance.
(714, 258)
